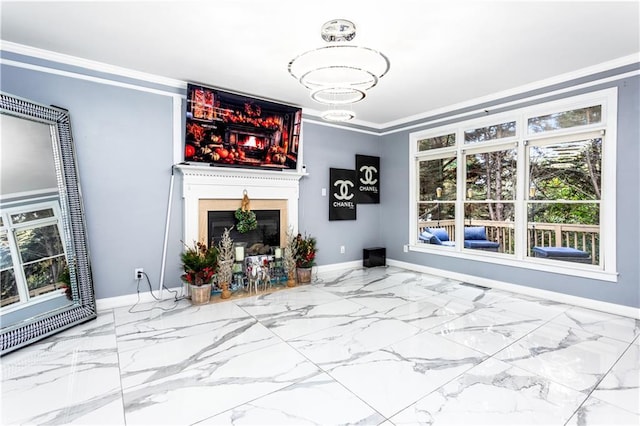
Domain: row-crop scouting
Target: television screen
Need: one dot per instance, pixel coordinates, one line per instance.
(227, 129)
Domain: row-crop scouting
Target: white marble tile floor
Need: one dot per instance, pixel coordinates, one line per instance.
(378, 346)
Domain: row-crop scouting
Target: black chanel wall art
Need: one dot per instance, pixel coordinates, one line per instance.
(368, 184)
(342, 194)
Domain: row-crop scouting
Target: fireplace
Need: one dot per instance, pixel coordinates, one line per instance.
(217, 189)
(257, 241)
(215, 215)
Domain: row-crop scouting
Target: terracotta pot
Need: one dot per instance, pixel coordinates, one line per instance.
(200, 294)
(304, 275)
(291, 279)
(226, 293)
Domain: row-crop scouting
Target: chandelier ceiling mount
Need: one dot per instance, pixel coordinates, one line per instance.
(339, 73)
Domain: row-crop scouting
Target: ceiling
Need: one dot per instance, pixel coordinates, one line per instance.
(442, 53)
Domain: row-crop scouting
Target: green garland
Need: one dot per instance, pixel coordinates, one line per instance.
(246, 220)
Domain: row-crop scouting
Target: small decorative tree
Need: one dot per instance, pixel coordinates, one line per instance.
(225, 262)
(289, 258)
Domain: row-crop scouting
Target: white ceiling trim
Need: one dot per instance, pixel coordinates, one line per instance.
(463, 115)
(584, 72)
(152, 78)
(35, 52)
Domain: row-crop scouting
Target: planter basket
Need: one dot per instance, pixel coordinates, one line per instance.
(201, 294)
(304, 275)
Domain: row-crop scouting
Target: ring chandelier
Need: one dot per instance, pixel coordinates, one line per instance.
(339, 74)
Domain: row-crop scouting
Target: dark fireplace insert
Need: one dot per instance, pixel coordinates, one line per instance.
(258, 241)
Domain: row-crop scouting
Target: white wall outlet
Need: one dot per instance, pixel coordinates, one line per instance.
(406, 248)
(324, 192)
(139, 273)
(342, 250)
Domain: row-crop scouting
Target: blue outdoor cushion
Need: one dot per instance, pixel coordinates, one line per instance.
(428, 237)
(481, 244)
(474, 233)
(441, 233)
(559, 252)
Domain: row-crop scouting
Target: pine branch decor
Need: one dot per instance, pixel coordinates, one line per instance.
(225, 257)
(291, 248)
(246, 220)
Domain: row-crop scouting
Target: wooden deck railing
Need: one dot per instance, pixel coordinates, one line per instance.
(581, 237)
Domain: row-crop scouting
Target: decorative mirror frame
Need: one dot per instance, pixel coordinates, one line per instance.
(74, 235)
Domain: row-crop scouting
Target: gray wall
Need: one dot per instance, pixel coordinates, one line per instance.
(395, 152)
(325, 148)
(124, 146)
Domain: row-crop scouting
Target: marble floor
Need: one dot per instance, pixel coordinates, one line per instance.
(365, 346)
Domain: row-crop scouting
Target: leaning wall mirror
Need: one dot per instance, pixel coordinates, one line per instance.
(45, 274)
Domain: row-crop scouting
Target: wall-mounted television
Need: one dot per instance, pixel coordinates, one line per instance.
(228, 129)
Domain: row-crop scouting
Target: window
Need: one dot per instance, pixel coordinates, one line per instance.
(529, 191)
(437, 182)
(32, 254)
(490, 196)
(565, 186)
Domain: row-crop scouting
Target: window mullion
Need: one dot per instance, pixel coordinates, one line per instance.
(461, 177)
(522, 176)
(18, 271)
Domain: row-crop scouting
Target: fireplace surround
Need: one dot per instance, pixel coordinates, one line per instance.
(206, 188)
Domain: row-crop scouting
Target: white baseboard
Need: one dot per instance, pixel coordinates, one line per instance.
(131, 299)
(612, 308)
(338, 266)
(146, 297)
(607, 307)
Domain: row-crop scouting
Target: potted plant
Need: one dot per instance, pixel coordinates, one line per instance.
(199, 265)
(289, 257)
(305, 257)
(225, 263)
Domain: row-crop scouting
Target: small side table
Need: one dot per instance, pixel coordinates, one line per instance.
(374, 256)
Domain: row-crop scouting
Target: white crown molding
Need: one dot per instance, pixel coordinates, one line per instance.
(377, 129)
(519, 101)
(540, 84)
(89, 64)
(321, 122)
(318, 114)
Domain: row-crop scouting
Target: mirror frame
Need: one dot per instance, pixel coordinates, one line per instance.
(74, 235)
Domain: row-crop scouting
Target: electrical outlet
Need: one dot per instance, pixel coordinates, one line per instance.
(406, 248)
(139, 273)
(342, 250)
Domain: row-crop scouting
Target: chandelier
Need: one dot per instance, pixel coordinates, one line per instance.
(339, 74)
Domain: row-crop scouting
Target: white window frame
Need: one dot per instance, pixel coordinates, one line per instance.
(608, 98)
(10, 227)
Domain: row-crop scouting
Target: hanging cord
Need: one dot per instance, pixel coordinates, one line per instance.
(176, 299)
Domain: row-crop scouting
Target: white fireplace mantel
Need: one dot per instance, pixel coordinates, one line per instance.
(212, 183)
